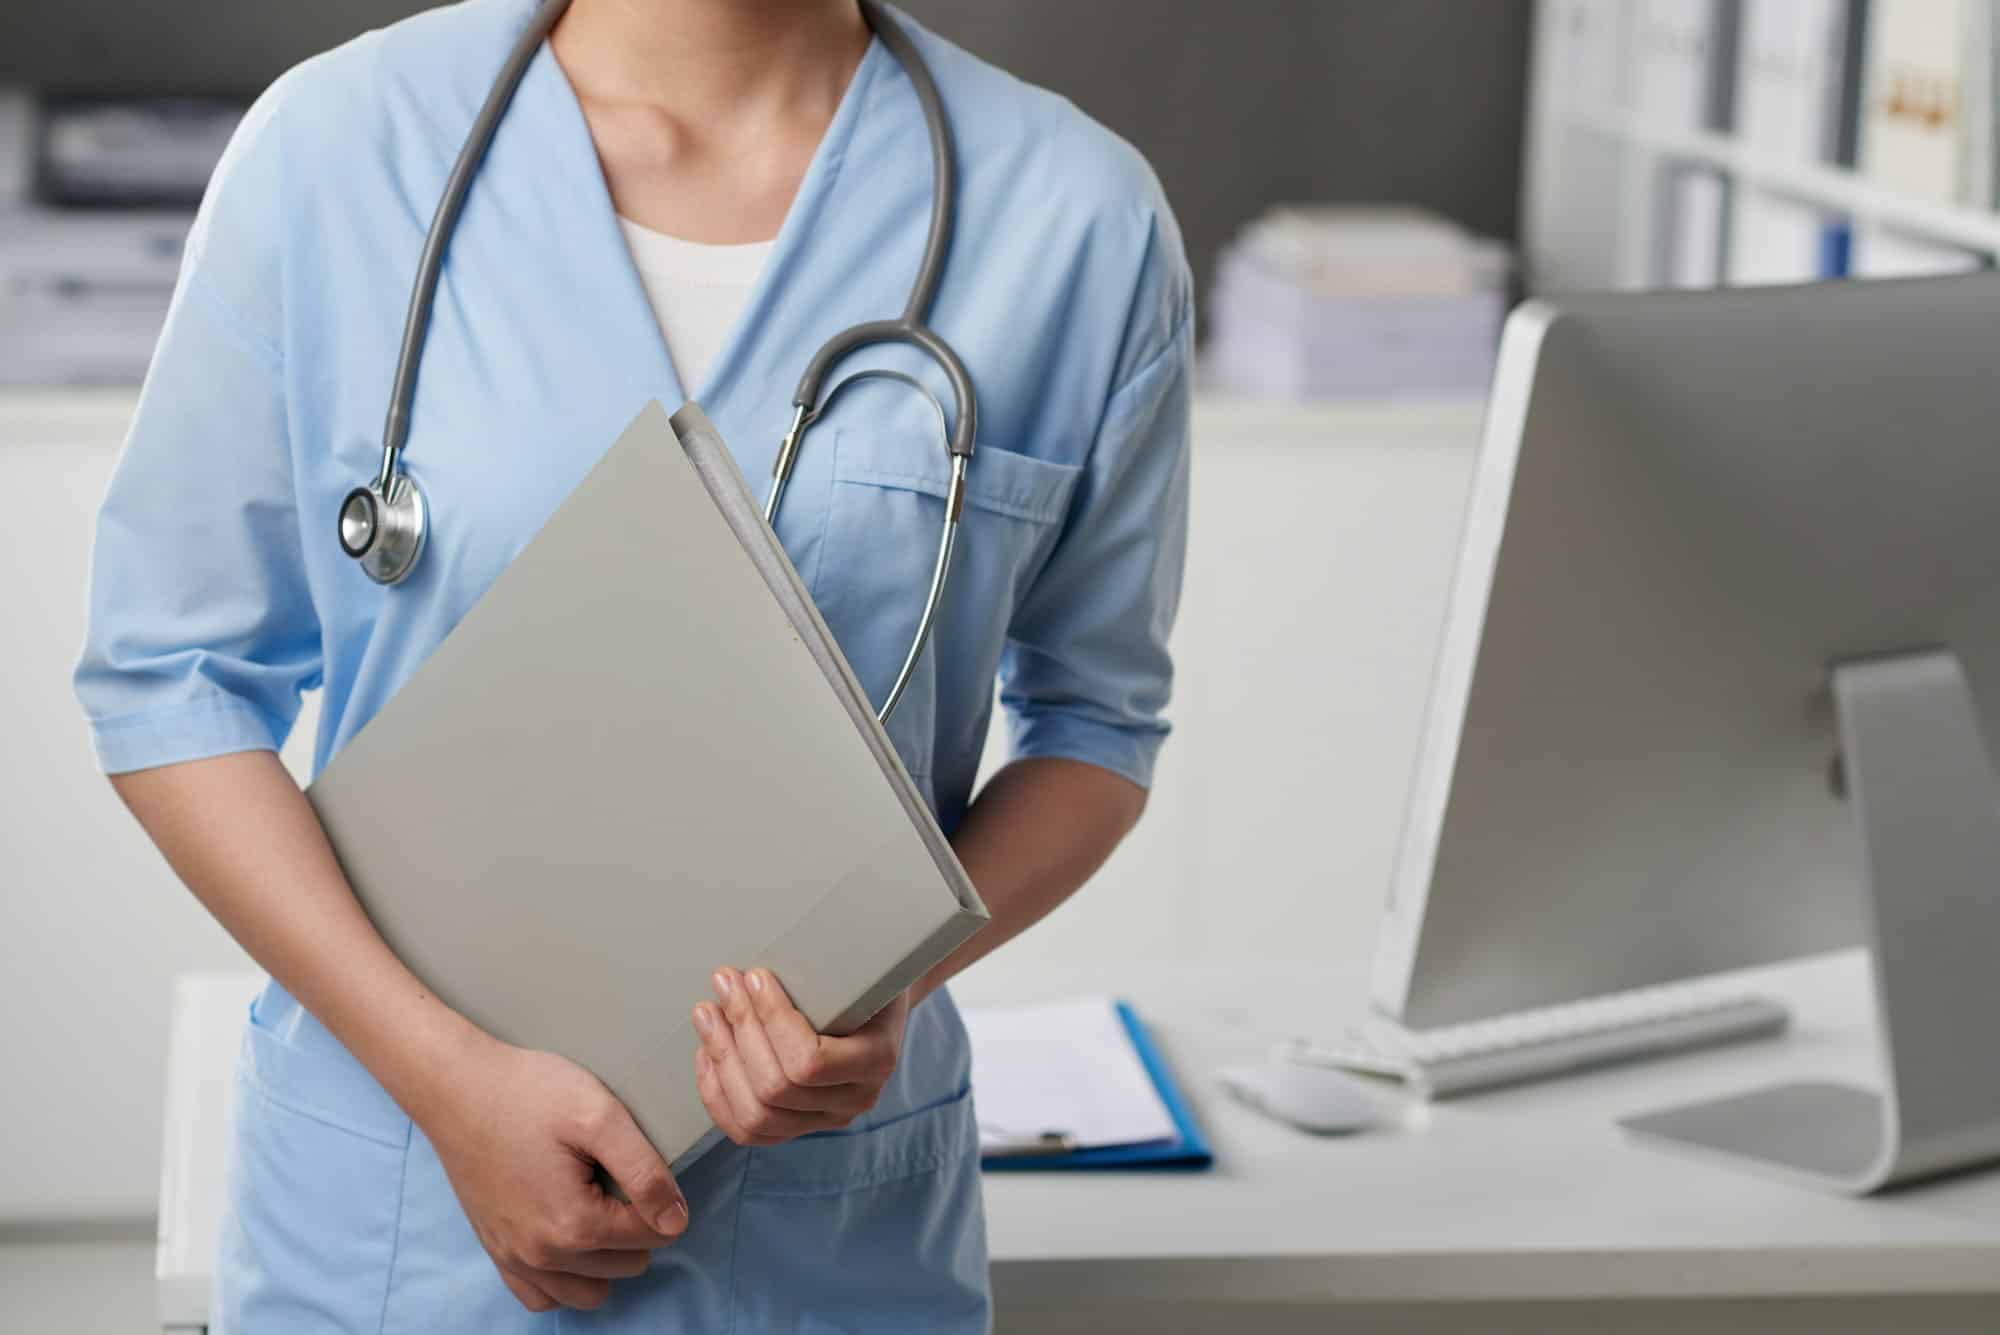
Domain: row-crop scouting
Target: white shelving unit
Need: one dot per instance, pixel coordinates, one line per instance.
(1594, 210)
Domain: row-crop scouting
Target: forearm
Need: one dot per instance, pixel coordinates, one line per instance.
(1037, 831)
(243, 838)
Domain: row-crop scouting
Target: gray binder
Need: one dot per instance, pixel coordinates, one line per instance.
(640, 756)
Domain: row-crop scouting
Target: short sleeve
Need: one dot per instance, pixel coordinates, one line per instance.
(202, 633)
(1086, 673)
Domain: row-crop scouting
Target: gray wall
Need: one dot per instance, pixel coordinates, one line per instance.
(1237, 103)
(1243, 103)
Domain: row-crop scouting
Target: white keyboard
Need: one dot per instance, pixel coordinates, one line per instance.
(1534, 1044)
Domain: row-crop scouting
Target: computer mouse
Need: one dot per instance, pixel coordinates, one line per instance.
(1312, 1098)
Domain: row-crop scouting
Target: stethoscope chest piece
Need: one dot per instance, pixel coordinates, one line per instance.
(384, 527)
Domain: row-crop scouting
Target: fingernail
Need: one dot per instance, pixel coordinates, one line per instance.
(721, 981)
(702, 1020)
(756, 980)
(674, 1218)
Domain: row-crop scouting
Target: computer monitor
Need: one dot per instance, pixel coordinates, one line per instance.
(1703, 527)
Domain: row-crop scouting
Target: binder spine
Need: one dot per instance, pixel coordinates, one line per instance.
(948, 937)
(726, 486)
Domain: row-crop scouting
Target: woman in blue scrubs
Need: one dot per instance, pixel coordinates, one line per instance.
(392, 1167)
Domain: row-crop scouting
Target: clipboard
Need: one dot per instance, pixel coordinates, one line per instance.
(1187, 1151)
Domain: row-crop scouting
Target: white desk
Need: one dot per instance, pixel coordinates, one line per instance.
(1516, 1210)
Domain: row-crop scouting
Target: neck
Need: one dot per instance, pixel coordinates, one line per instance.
(700, 60)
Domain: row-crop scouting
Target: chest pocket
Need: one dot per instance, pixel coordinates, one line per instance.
(885, 509)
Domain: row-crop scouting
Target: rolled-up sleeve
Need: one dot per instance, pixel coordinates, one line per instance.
(1086, 674)
(202, 633)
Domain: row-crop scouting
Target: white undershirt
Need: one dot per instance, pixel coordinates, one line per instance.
(698, 293)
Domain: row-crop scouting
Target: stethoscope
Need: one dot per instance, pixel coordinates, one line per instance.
(383, 524)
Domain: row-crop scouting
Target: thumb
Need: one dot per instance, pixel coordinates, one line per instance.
(623, 1152)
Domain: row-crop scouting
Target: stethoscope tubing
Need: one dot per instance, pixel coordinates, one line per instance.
(392, 487)
(430, 264)
(954, 505)
(910, 329)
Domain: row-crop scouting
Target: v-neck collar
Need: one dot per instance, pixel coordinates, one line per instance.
(637, 320)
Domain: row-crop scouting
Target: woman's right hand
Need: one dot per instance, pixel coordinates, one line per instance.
(520, 1135)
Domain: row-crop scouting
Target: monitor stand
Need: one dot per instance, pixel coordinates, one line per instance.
(1927, 803)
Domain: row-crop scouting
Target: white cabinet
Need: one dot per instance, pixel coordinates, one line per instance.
(96, 926)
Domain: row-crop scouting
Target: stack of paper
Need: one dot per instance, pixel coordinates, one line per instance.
(1356, 302)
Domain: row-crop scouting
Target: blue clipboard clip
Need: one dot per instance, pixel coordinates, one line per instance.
(1188, 1150)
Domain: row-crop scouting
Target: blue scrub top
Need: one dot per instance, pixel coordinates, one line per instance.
(219, 592)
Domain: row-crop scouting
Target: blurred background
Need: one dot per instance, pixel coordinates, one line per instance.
(113, 111)
(1364, 187)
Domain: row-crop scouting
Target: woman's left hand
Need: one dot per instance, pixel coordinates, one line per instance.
(767, 1077)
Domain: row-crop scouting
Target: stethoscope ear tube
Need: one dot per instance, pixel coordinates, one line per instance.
(961, 430)
(964, 422)
(788, 448)
(940, 576)
(954, 504)
(430, 264)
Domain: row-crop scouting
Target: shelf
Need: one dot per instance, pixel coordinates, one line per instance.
(65, 416)
(1229, 418)
(1837, 189)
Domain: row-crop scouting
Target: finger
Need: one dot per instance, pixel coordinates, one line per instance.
(761, 1118)
(794, 1042)
(708, 1083)
(765, 1124)
(526, 1293)
(729, 990)
(811, 1059)
(711, 1026)
(614, 1140)
(578, 1291)
(608, 1264)
(612, 1225)
(709, 1086)
(775, 1086)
